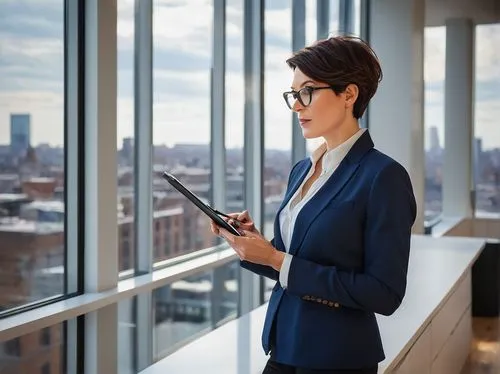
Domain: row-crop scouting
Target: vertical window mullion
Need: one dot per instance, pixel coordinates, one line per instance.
(253, 36)
(143, 181)
(218, 134)
(74, 174)
(298, 42)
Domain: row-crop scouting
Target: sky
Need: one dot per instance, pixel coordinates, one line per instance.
(31, 71)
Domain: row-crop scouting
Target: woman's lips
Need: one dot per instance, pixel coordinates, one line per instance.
(304, 122)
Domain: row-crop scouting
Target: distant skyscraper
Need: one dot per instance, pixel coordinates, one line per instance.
(477, 156)
(20, 134)
(434, 138)
(128, 150)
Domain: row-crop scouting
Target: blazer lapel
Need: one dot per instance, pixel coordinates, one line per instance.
(329, 190)
(295, 184)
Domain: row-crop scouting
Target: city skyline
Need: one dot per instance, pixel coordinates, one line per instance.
(33, 74)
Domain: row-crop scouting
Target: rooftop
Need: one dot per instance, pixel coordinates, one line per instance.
(10, 197)
(15, 224)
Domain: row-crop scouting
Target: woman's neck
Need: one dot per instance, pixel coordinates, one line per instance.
(341, 135)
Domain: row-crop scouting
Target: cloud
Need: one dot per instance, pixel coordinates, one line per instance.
(488, 90)
(32, 63)
(175, 86)
(488, 55)
(32, 67)
(486, 123)
(487, 61)
(434, 53)
(31, 19)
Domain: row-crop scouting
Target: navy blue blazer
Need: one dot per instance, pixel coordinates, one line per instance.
(350, 248)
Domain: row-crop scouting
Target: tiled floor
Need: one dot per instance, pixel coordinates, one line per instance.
(485, 351)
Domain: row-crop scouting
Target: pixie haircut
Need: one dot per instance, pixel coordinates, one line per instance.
(340, 61)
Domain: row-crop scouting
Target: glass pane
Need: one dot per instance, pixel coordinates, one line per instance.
(312, 144)
(40, 352)
(486, 149)
(125, 133)
(126, 336)
(181, 311)
(278, 118)
(235, 100)
(434, 73)
(182, 53)
(228, 277)
(357, 17)
(311, 22)
(334, 17)
(31, 151)
(192, 307)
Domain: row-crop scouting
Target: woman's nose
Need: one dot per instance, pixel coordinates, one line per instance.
(297, 106)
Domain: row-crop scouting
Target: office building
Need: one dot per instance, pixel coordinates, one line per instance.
(20, 134)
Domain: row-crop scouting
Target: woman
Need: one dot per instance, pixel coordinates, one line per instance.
(342, 234)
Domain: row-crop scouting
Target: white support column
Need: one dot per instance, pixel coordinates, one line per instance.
(396, 120)
(459, 88)
(101, 231)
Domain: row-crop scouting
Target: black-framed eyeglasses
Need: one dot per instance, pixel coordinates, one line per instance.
(304, 95)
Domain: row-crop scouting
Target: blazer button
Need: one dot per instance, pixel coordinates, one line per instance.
(319, 300)
(306, 297)
(330, 303)
(325, 302)
(336, 305)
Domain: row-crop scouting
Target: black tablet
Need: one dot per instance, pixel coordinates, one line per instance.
(205, 208)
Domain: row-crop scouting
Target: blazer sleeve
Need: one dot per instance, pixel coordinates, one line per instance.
(380, 288)
(264, 270)
(268, 271)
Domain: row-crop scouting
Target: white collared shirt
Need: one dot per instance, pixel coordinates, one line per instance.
(288, 215)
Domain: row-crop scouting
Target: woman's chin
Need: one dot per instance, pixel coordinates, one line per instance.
(308, 134)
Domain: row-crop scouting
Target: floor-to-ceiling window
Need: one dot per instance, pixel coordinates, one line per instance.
(32, 176)
(434, 74)
(125, 133)
(486, 142)
(182, 53)
(277, 117)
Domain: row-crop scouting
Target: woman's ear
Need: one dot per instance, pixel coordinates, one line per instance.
(351, 95)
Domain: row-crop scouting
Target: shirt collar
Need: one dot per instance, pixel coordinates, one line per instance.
(334, 156)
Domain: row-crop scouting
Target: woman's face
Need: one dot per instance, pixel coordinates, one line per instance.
(327, 111)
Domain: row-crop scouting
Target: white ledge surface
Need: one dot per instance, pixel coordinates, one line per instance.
(436, 267)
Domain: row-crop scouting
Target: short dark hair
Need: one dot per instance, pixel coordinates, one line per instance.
(339, 61)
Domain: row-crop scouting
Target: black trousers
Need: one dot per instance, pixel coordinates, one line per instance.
(273, 367)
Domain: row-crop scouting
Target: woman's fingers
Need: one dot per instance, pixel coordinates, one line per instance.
(244, 216)
(214, 227)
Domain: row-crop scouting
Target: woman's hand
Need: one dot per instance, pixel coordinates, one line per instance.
(240, 221)
(253, 247)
